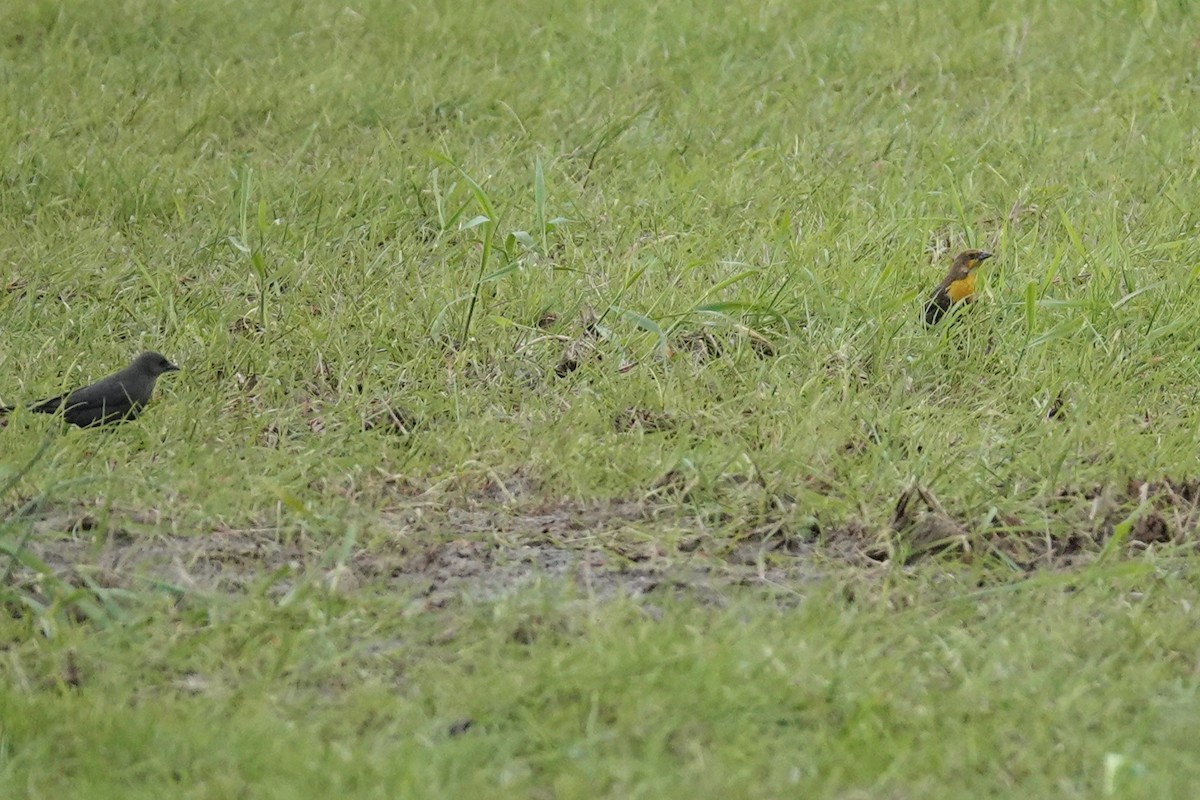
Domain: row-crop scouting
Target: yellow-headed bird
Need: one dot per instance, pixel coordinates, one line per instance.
(958, 287)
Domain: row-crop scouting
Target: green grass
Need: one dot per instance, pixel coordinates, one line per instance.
(949, 694)
(322, 210)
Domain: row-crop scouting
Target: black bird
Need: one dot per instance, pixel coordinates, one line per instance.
(118, 397)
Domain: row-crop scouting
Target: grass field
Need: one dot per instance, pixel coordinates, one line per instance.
(557, 418)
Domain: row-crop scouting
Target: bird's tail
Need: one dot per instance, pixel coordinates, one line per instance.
(45, 407)
(48, 406)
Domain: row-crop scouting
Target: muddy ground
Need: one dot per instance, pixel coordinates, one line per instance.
(491, 543)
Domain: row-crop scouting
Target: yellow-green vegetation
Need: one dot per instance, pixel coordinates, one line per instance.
(560, 368)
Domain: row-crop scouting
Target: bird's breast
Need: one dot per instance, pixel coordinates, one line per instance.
(961, 288)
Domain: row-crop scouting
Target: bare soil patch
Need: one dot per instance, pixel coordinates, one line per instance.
(494, 542)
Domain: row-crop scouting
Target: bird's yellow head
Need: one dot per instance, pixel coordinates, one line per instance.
(960, 282)
(968, 261)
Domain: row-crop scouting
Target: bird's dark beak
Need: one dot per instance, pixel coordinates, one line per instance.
(984, 255)
(171, 367)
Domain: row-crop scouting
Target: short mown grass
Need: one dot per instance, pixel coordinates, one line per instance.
(1057, 688)
(373, 235)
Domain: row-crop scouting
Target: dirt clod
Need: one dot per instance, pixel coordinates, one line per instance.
(459, 727)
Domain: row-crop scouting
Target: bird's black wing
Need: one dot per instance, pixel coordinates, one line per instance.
(106, 401)
(937, 306)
